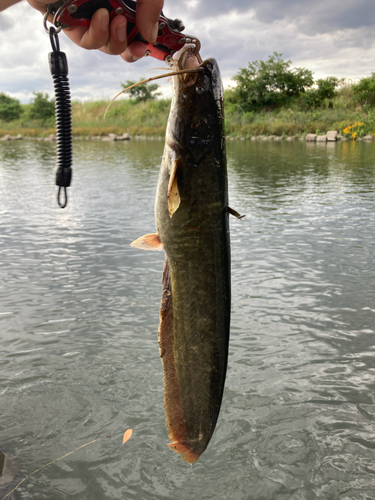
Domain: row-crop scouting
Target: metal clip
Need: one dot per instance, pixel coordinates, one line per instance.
(46, 28)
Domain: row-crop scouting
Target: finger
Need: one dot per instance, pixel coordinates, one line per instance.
(134, 51)
(117, 42)
(96, 35)
(41, 6)
(147, 17)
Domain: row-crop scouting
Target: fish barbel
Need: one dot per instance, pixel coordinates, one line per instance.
(191, 212)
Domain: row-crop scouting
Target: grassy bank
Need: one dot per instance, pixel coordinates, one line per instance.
(124, 115)
(338, 113)
(150, 118)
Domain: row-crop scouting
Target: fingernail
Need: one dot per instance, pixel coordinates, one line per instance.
(105, 21)
(154, 32)
(121, 32)
(135, 58)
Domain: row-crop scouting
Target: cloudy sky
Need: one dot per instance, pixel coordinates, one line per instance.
(331, 38)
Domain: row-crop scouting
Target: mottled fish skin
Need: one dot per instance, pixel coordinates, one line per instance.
(192, 225)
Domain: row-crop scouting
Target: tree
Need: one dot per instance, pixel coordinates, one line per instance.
(325, 88)
(143, 91)
(10, 108)
(364, 90)
(41, 107)
(270, 83)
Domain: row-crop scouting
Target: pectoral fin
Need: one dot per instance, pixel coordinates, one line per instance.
(148, 242)
(174, 199)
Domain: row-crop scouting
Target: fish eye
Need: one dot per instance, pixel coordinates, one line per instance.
(200, 89)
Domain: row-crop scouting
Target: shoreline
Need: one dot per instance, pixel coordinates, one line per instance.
(331, 136)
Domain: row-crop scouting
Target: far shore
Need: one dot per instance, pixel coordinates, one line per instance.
(331, 136)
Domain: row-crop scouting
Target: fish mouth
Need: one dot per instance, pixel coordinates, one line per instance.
(187, 58)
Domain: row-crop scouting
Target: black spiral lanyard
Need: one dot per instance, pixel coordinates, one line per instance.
(63, 111)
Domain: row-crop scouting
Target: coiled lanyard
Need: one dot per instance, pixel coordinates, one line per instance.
(63, 113)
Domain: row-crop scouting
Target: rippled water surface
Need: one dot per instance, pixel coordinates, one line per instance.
(78, 325)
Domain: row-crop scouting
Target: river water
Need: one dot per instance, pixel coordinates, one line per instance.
(79, 313)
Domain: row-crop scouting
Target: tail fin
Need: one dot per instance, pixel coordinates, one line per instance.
(187, 454)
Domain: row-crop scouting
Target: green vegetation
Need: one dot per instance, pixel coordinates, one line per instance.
(124, 115)
(269, 83)
(365, 91)
(270, 98)
(42, 108)
(272, 84)
(337, 113)
(10, 109)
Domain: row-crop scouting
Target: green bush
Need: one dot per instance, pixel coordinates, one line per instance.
(10, 108)
(321, 95)
(364, 91)
(41, 108)
(270, 83)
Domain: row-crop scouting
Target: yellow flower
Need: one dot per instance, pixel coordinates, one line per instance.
(349, 129)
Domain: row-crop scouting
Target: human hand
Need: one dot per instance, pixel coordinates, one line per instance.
(110, 37)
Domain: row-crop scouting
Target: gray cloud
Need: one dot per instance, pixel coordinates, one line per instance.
(5, 23)
(330, 38)
(320, 16)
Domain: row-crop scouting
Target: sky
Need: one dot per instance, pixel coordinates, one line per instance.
(330, 38)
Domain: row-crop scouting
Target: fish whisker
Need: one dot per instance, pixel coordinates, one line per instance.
(164, 75)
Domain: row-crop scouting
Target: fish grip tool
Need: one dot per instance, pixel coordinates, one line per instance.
(170, 39)
(58, 65)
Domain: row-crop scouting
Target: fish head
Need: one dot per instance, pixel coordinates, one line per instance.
(197, 111)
